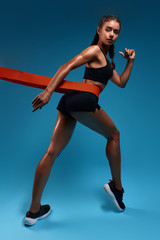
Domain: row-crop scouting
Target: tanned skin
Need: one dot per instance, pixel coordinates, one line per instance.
(98, 121)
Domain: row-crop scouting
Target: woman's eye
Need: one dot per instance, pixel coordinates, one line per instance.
(116, 32)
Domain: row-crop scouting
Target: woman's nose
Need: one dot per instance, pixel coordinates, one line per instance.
(111, 34)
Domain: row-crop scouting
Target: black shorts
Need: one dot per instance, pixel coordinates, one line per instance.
(78, 101)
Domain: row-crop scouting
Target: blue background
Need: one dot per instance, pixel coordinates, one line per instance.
(38, 37)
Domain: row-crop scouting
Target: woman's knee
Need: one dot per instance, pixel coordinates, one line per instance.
(115, 134)
(53, 152)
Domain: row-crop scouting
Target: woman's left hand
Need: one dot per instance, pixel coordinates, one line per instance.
(129, 53)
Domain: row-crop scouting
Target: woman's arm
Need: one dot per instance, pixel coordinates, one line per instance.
(121, 80)
(87, 55)
(126, 73)
(130, 55)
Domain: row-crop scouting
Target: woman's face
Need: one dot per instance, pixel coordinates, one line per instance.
(109, 30)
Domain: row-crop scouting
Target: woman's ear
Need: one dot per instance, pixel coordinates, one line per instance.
(98, 30)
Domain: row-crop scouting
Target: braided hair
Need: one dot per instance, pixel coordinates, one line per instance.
(96, 37)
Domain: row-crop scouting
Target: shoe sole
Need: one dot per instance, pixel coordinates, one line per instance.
(32, 221)
(108, 190)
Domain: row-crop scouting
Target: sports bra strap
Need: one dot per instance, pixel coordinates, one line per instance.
(103, 52)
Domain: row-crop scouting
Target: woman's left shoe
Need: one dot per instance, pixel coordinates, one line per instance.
(115, 194)
(32, 218)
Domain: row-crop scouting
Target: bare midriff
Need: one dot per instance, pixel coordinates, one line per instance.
(101, 85)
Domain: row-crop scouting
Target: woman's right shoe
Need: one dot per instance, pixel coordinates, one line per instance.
(32, 218)
(115, 194)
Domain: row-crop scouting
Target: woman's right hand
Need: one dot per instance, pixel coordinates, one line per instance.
(40, 100)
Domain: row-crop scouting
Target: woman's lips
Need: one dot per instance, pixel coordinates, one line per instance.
(110, 40)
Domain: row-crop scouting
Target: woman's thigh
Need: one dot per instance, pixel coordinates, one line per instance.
(99, 121)
(62, 133)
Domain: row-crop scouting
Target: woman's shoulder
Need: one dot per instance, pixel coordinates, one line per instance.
(92, 50)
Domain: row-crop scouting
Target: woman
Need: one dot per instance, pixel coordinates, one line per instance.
(83, 107)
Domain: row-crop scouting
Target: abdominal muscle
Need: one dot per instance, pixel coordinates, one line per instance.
(101, 85)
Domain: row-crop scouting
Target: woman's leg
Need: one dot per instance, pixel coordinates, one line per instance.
(100, 122)
(62, 133)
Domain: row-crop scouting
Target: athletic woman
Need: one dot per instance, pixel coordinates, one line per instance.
(83, 107)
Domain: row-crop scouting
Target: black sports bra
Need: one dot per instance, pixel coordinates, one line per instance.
(101, 74)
